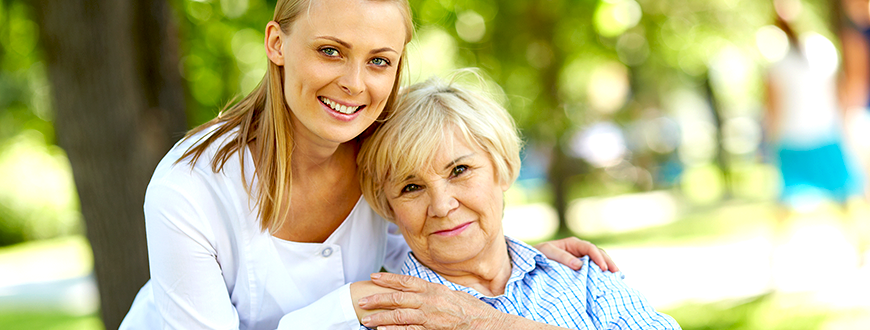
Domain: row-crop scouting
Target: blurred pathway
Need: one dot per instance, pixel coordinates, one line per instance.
(51, 275)
(813, 264)
(73, 296)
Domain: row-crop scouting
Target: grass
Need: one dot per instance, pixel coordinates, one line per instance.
(770, 311)
(49, 321)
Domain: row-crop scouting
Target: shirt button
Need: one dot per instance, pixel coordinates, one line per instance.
(326, 252)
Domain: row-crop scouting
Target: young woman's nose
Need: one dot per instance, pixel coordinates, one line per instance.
(442, 201)
(351, 80)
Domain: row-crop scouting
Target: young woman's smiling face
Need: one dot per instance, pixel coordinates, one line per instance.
(340, 60)
(450, 213)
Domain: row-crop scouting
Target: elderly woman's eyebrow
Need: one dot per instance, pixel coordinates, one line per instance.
(457, 160)
(452, 163)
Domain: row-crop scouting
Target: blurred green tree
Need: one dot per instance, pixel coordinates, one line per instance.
(119, 106)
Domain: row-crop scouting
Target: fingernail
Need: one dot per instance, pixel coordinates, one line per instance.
(576, 263)
(366, 319)
(363, 301)
(376, 275)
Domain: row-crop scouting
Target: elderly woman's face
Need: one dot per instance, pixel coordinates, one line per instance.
(451, 211)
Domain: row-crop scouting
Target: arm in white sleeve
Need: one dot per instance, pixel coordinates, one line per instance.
(333, 311)
(188, 285)
(336, 309)
(397, 249)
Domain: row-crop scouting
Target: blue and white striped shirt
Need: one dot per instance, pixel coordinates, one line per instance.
(548, 292)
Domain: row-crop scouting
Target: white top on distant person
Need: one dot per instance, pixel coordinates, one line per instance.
(231, 245)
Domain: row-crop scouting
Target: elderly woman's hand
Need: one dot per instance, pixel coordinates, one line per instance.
(567, 250)
(425, 305)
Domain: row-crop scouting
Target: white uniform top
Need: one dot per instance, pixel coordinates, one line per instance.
(213, 268)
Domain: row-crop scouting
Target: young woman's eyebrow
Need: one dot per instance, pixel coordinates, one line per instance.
(348, 46)
(339, 41)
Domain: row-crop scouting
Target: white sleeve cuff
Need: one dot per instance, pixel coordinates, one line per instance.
(333, 311)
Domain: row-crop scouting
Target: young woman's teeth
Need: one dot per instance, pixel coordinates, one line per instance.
(338, 107)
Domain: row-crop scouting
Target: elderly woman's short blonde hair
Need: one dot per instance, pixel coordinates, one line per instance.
(425, 113)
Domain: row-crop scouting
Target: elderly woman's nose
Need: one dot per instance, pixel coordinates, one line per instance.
(442, 202)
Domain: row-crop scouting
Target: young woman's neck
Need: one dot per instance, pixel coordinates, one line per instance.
(312, 153)
(313, 157)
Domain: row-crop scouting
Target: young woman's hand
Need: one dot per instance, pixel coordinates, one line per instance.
(566, 251)
(364, 289)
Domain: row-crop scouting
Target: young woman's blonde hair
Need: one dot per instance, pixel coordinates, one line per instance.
(264, 116)
(424, 115)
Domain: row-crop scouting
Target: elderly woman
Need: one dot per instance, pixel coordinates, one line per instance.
(438, 169)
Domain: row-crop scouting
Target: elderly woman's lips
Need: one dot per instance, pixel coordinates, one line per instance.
(453, 231)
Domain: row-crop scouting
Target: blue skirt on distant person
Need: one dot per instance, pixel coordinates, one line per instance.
(824, 171)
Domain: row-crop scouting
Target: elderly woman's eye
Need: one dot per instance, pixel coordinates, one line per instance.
(410, 188)
(458, 170)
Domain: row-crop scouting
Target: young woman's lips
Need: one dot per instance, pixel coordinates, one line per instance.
(453, 231)
(337, 114)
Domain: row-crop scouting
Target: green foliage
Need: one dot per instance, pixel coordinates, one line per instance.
(550, 56)
(37, 198)
(24, 98)
(545, 54)
(222, 51)
(32, 206)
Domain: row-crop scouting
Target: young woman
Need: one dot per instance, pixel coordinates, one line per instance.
(255, 220)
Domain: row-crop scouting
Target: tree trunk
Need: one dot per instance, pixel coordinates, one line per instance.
(119, 106)
(723, 158)
(558, 175)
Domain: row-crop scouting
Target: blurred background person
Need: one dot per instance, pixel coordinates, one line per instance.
(805, 122)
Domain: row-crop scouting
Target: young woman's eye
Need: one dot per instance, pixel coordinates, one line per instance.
(410, 188)
(458, 170)
(380, 61)
(329, 51)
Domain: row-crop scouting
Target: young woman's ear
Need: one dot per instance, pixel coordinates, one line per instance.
(274, 43)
